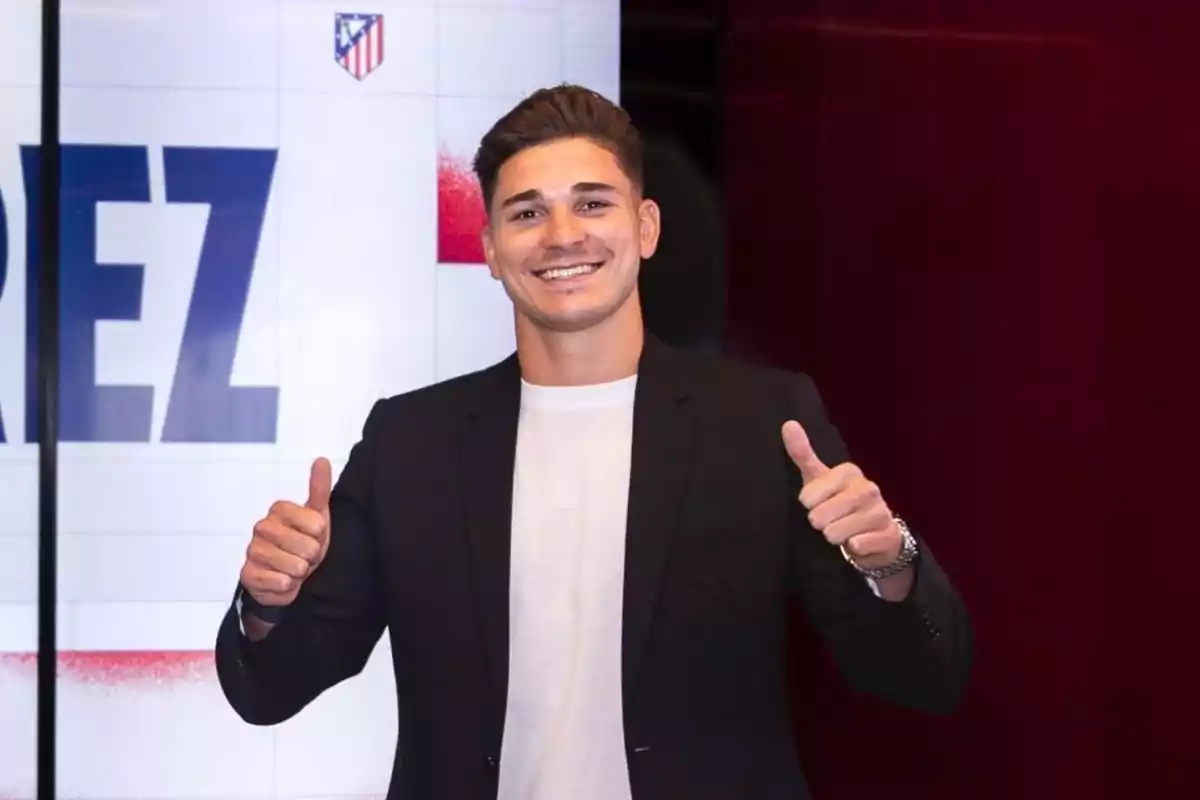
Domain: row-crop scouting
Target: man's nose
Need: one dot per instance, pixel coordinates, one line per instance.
(563, 228)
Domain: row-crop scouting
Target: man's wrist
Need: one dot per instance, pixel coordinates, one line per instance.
(246, 605)
(899, 586)
(901, 564)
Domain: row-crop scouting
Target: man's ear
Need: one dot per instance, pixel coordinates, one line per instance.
(489, 250)
(649, 227)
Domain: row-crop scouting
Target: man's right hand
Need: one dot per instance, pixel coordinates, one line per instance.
(290, 543)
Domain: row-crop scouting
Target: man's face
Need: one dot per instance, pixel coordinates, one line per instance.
(567, 234)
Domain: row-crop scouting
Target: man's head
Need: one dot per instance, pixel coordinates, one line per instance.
(568, 226)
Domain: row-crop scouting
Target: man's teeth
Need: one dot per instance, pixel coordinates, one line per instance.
(568, 272)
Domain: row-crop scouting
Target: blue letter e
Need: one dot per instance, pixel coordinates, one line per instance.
(89, 291)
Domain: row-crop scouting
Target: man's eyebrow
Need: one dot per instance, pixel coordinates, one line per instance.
(521, 197)
(592, 186)
(580, 188)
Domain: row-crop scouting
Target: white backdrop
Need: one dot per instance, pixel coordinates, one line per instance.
(258, 244)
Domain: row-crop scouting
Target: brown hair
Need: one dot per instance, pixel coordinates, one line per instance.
(561, 112)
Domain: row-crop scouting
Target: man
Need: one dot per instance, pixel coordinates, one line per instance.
(584, 555)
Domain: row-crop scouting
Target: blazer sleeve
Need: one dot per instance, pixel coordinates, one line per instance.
(914, 653)
(329, 632)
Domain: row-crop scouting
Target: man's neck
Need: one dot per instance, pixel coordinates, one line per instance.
(607, 352)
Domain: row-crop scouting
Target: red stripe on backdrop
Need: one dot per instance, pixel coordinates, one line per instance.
(461, 217)
(120, 666)
(379, 30)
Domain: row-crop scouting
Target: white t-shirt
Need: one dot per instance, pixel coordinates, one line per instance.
(563, 730)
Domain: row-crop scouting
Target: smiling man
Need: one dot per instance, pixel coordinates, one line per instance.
(584, 555)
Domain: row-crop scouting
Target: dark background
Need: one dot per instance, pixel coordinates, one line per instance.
(974, 223)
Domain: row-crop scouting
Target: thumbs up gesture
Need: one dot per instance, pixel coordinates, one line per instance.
(290, 543)
(843, 505)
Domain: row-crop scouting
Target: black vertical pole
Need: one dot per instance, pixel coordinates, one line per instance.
(47, 405)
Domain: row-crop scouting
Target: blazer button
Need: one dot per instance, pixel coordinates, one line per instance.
(930, 628)
(492, 762)
(640, 750)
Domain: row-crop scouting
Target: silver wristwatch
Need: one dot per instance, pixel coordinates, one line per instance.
(908, 554)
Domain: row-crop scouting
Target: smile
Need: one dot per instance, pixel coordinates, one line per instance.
(572, 271)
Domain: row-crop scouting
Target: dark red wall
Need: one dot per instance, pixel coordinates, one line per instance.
(976, 224)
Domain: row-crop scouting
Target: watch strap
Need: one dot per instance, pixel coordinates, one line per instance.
(908, 554)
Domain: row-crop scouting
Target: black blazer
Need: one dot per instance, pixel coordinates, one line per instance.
(717, 546)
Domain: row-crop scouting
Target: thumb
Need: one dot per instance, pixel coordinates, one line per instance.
(795, 440)
(320, 484)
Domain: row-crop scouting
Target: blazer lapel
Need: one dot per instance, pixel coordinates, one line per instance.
(487, 453)
(662, 445)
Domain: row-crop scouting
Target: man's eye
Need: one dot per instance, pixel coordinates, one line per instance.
(594, 205)
(524, 214)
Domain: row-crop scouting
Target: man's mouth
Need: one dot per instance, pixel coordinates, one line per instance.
(568, 271)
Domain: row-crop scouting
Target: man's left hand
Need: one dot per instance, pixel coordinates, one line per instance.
(843, 505)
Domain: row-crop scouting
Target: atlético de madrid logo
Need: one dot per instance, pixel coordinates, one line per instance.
(358, 42)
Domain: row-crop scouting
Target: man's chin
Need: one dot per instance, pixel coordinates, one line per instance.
(567, 320)
(570, 322)
(571, 314)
